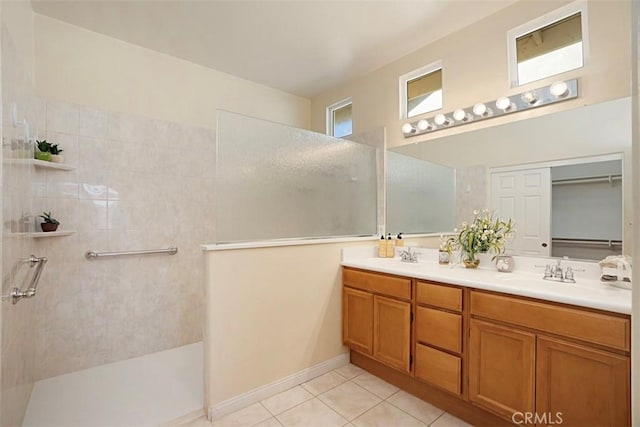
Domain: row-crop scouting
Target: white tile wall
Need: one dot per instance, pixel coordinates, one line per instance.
(18, 356)
(139, 184)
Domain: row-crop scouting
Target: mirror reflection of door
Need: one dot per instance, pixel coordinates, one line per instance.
(525, 197)
(572, 210)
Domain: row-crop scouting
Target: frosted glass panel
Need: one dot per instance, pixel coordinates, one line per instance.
(278, 182)
(420, 195)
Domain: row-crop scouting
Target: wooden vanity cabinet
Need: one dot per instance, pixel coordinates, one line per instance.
(376, 312)
(587, 386)
(357, 320)
(582, 378)
(439, 336)
(485, 356)
(501, 368)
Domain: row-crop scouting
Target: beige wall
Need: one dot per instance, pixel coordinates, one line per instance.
(276, 318)
(635, 316)
(82, 67)
(271, 312)
(475, 70)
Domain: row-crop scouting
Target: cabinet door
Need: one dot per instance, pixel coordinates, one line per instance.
(392, 332)
(357, 320)
(501, 368)
(584, 385)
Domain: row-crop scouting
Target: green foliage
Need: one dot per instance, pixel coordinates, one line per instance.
(48, 218)
(44, 146)
(483, 234)
(55, 150)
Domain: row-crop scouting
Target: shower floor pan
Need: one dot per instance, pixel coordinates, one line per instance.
(143, 391)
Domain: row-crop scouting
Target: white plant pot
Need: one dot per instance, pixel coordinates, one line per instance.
(57, 158)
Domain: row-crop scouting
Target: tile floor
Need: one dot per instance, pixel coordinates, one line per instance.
(347, 396)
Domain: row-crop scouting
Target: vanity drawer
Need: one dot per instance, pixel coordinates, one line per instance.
(438, 368)
(598, 328)
(439, 328)
(446, 297)
(394, 286)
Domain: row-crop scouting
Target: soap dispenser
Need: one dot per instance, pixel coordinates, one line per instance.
(399, 240)
(382, 247)
(391, 246)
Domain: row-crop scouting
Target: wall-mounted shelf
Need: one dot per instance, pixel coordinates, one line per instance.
(41, 234)
(39, 164)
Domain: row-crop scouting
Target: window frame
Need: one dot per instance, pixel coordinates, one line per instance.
(329, 115)
(406, 78)
(543, 21)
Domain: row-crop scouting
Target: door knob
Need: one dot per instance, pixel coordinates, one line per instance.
(544, 245)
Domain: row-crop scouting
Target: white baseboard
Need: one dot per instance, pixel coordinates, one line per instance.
(256, 395)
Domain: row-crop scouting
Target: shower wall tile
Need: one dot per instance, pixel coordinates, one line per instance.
(19, 184)
(92, 122)
(139, 184)
(61, 117)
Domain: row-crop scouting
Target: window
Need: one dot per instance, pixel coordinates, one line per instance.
(421, 91)
(339, 121)
(550, 45)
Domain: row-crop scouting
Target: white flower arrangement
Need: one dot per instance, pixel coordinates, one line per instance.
(483, 234)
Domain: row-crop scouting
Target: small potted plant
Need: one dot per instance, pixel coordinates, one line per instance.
(55, 151)
(447, 245)
(43, 151)
(50, 223)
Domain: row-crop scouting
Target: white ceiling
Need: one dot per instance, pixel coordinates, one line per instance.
(298, 46)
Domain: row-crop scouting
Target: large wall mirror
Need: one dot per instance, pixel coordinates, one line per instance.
(579, 158)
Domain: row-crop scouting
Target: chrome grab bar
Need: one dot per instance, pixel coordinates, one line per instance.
(17, 294)
(93, 255)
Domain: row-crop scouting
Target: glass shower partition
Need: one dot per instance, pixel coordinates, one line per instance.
(279, 182)
(421, 196)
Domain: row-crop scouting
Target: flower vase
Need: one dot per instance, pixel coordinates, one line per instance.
(470, 260)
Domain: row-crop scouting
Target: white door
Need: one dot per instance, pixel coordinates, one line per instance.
(525, 197)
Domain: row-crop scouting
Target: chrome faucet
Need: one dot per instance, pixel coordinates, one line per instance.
(554, 272)
(408, 256)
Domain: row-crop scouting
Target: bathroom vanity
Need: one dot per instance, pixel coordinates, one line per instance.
(489, 347)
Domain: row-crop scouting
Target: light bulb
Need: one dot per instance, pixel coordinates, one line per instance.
(423, 125)
(559, 89)
(530, 97)
(481, 110)
(503, 103)
(407, 128)
(461, 115)
(441, 119)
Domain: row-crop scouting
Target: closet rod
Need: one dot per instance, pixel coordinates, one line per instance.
(607, 178)
(585, 242)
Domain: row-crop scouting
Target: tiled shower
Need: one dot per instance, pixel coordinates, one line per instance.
(138, 184)
(135, 184)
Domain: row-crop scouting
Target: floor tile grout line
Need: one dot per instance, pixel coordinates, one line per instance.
(368, 410)
(440, 416)
(396, 406)
(294, 406)
(337, 385)
(358, 385)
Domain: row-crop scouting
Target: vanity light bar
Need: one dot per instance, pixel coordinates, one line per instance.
(533, 98)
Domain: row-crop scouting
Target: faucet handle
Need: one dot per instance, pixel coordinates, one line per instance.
(568, 275)
(547, 270)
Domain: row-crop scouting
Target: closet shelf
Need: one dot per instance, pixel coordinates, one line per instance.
(39, 164)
